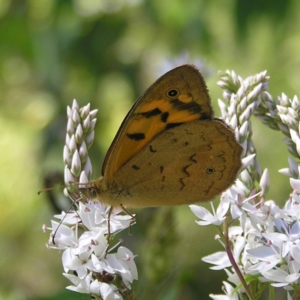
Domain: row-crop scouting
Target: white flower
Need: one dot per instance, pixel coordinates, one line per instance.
(281, 277)
(267, 258)
(89, 286)
(62, 236)
(94, 214)
(77, 262)
(219, 259)
(231, 294)
(126, 258)
(86, 254)
(208, 218)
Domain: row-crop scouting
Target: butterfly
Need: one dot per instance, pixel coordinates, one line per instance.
(169, 150)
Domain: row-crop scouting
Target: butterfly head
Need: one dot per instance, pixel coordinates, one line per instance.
(90, 190)
(95, 190)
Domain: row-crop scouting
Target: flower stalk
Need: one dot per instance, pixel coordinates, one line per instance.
(88, 261)
(263, 251)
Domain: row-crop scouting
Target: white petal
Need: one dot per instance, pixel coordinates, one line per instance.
(295, 252)
(293, 167)
(295, 184)
(109, 292)
(76, 164)
(219, 259)
(70, 261)
(81, 270)
(235, 212)
(285, 171)
(292, 277)
(277, 275)
(74, 279)
(265, 181)
(222, 208)
(246, 161)
(200, 211)
(262, 252)
(275, 236)
(295, 230)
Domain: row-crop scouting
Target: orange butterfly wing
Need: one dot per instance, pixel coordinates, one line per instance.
(179, 96)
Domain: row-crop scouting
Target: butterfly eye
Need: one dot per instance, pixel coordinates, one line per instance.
(210, 170)
(90, 192)
(186, 144)
(172, 93)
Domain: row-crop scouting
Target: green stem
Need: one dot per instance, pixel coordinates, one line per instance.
(234, 264)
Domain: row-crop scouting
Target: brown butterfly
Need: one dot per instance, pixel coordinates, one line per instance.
(169, 150)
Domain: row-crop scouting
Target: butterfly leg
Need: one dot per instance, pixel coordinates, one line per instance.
(108, 229)
(73, 204)
(132, 221)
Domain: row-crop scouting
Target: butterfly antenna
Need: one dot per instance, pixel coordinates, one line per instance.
(49, 189)
(61, 186)
(131, 215)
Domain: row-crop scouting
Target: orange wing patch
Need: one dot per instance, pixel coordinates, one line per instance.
(180, 96)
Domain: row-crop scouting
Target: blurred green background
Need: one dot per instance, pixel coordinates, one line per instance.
(107, 52)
